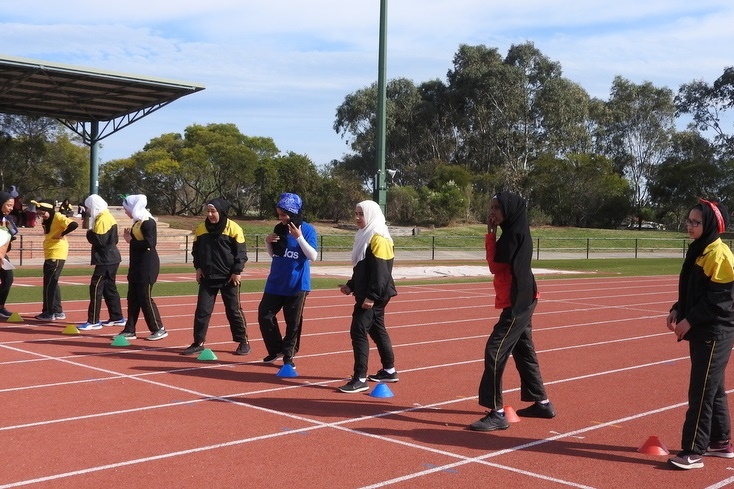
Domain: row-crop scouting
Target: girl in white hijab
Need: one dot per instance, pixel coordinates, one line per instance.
(372, 286)
(95, 205)
(144, 267)
(373, 223)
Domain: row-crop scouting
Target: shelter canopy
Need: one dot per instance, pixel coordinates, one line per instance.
(92, 103)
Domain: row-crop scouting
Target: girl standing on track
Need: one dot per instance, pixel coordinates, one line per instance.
(144, 268)
(102, 235)
(517, 295)
(292, 245)
(373, 286)
(6, 273)
(704, 316)
(55, 252)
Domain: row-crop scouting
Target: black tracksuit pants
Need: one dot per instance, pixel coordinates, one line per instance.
(707, 418)
(511, 335)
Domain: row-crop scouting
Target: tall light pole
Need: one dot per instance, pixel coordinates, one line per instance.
(380, 190)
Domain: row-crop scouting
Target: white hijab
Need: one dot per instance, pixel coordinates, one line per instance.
(374, 224)
(95, 205)
(136, 206)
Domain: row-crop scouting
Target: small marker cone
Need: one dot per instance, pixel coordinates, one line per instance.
(120, 340)
(510, 415)
(653, 446)
(70, 329)
(207, 354)
(381, 390)
(15, 318)
(287, 370)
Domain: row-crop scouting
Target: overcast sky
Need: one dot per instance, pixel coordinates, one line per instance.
(280, 68)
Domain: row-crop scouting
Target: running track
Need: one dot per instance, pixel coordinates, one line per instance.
(78, 412)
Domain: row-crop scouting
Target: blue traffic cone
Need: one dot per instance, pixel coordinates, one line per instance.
(381, 390)
(287, 370)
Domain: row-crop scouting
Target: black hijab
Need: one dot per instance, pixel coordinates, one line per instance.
(47, 206)
(4, 197)
(714, 221)
(222, 206)
(515, 247)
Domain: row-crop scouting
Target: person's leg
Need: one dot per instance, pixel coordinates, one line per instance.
(54, 286)
(203, 312)
(293, 316)
(6, 280)
(96, 290)
(361, 322)
(269, 306)
(49, 269)
(110, 293)
(708, 367)
(150, 308)
(133, 306)
(532, 388)
(379, 335)
(234, 313)
(500, 343)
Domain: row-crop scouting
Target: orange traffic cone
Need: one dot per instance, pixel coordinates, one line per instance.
(653, 446)
(510, 415)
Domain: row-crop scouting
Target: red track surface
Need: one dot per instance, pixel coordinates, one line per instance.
(78, 412)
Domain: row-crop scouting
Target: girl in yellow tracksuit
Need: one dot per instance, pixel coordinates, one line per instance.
(55, 252)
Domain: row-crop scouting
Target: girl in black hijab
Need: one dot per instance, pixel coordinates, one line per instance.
(704, 316)
(516, 294)
(6, 275)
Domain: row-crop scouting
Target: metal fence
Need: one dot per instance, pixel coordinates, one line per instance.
(28, 250)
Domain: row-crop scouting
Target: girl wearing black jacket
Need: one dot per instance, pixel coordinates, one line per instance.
(219, 254)
(516, 293)
(144, 268)
(704, 316)
(373, 287)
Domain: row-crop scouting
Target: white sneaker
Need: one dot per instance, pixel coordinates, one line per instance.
(89, 326)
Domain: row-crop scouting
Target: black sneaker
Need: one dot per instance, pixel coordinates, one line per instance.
(272, 358)
(158, 335)
(687, 461)
(354, 386)
(128, 335)
(194, 348)
(383, 376)
(243, 348)
(537, 410)
(491, 422)
(289, 361)
(4, 313)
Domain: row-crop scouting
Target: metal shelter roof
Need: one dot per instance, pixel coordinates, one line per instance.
(92, 103)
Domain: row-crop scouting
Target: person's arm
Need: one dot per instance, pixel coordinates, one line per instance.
(307, 242)
(4, 242)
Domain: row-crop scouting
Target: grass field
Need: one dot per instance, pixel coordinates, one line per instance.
(614, 267)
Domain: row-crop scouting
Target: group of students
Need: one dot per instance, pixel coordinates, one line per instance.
(703, 315)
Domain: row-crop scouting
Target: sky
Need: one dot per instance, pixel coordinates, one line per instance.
(280, 68)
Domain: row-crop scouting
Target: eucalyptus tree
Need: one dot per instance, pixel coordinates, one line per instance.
(579, 190)
(511, 110)
(640, 126)
(690, 171)
(414, 129)
(707, 105)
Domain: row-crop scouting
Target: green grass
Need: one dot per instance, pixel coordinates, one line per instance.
(598, 267)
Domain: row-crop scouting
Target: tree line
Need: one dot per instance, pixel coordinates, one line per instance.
(497, 122)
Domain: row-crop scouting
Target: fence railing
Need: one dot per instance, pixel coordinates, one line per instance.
(28, 250)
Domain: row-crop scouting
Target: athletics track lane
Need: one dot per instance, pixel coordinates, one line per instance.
(81, 413)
